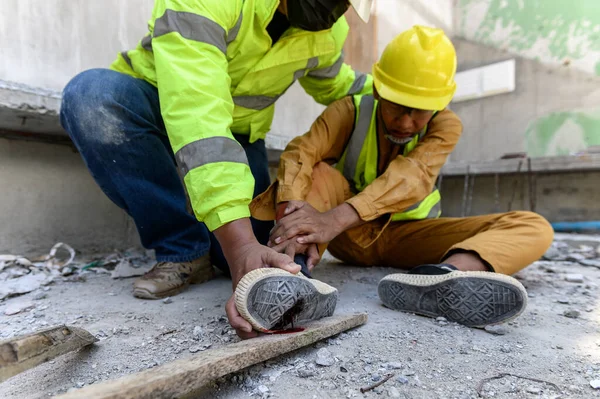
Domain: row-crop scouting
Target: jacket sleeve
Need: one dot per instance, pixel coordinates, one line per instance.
(408, 180)
(334, 80)
(325, 141)
(189, 43)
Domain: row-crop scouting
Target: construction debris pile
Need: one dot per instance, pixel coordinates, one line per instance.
(20, 275)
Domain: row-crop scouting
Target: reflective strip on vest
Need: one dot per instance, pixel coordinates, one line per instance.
(358, 84)
(431, 204)
(231, 36)
(329, 72)
(261, 102)
(126, 58)
(365, 112)
(209, 150)
(147, 43)
(192, 27)
(428, 208)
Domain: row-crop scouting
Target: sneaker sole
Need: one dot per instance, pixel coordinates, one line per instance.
(474, 299)
(271, 299)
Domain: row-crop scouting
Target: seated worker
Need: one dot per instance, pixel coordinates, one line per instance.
(379, 205)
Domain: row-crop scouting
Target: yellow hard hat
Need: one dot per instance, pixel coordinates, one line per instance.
(417, 69)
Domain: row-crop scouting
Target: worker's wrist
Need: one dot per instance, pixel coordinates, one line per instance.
(234, 235)
(344, 217)
(280, 210)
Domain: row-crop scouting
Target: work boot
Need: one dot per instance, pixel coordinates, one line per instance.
(170, 278)
(474, 299)
(273, 299)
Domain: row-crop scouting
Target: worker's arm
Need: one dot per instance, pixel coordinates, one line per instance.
(325, 141)
(408, 180)
(189, 45)
(332, 79)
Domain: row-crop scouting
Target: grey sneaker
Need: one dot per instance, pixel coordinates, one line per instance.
(474, 299)
(273, 299)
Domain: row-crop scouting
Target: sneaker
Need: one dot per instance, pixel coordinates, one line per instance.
(170, 278)
(474, 299)
(273, 299)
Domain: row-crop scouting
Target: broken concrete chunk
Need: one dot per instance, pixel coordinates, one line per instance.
(125, 269)
(198, 333)
(324, 358)
(167, 300)
(595, 384)
(574, 278)
(572, 314)
(22, 285)
(498, 329)
(17, 307)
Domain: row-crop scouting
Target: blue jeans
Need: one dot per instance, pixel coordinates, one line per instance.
(115, 122)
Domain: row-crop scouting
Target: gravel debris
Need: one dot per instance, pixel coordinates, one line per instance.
(572, 313)
(324, 358)
(498, 329)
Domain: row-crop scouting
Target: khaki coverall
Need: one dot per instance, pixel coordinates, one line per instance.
(507, 242)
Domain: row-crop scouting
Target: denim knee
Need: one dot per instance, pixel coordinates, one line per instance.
(89, 111)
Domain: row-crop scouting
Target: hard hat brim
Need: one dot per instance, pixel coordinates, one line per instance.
(412, 100)
(362, 8)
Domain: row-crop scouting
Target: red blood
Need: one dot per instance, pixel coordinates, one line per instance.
(288, 331)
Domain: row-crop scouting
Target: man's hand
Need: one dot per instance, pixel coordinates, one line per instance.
(291, 248)
(310, 226)
(243, 254)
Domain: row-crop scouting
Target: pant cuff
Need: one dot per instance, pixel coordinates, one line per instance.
(182, 258)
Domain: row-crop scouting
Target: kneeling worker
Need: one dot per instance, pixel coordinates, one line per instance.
(379, 204)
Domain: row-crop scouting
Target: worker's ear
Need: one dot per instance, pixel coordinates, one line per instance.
(376, 95)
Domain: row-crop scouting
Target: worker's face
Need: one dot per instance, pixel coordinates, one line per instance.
(402, 123)
(315, 15)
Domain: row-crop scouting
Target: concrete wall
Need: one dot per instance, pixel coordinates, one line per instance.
(554, 110)
(560, 197)
(48, 196)
(45, 43)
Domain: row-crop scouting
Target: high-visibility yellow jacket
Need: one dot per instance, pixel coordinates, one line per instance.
(217, 72)
(359, 160)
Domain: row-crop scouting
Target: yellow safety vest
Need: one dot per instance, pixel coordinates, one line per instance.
(217, 72)
(359, 160)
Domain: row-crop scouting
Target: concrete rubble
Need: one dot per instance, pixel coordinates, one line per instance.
(544, 353)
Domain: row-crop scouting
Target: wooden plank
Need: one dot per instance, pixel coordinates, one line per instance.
(27, 351)
(185, 376)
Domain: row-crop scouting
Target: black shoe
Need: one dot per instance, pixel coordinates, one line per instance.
(474, 299)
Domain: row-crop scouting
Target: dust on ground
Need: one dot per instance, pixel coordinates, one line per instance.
(551, 351)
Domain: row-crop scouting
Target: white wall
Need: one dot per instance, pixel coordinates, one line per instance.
(44, 43)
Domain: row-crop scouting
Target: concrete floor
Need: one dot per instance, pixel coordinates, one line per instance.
(430, 359)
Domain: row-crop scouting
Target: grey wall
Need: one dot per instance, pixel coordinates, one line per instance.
(499, 124)
(48, 196)
(45, 43)
(558, 196)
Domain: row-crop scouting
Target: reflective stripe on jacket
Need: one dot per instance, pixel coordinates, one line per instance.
(217, 72)
(359, 160)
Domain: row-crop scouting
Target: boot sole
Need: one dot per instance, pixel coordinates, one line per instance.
(272, 299)
(474, 299)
